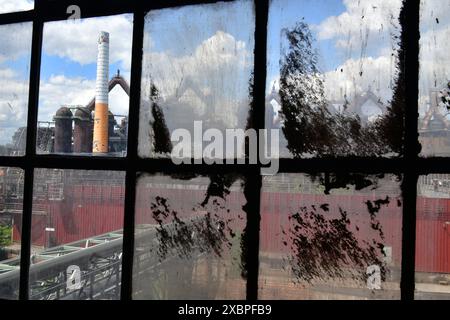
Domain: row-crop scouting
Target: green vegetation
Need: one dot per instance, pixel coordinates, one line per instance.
(5, 235)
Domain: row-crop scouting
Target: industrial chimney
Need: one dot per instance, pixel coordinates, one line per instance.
(101, 137)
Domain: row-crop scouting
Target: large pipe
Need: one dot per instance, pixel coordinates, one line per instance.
(63, 130)
(82, 133)
(101, 137)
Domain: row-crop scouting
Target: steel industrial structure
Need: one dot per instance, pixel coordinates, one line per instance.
(98, 258)
(99, 261)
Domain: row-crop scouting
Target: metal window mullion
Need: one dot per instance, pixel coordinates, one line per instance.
(253, 183)
(16, 17)
(25, 245)
(33, 98)
(361, 165)
(132, 155)
(411, 35)
(57, 10)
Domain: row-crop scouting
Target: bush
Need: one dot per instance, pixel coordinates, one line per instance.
(5, 236)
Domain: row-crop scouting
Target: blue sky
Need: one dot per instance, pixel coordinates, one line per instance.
(68, 66)
(187, 27)
(68, 62)
(54, 65)
(283, 14)
(20, 65)
(286, 13)
(14, 74)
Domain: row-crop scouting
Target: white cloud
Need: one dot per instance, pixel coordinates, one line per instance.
(365, 46)
(7, 73)
(15, 41)
(218, 72)
(214, 68)
(434, 47)
(118, 101)
(364, 35)
(54, 94)
(215, 61)
(432, 9)
(210, 83)
(365, 25)
(72, 40)
(15, 5)
(378, 67)
(13, 104)
(378, 74)
(13, 100)
(77, 39)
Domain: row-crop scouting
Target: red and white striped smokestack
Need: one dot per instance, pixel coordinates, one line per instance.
(101, 138)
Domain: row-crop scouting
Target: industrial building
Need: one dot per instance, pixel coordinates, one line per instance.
(74, 127)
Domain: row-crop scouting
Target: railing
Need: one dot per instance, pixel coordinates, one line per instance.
(98, 259)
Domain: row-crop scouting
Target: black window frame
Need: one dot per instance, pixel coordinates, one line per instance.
(410, 166)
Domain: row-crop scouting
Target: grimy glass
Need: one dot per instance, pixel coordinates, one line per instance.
(313, 165)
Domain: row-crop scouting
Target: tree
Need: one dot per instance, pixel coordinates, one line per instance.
(161, 134)
(444, 94)
(309, 126)
(5, 236)
(303, 107)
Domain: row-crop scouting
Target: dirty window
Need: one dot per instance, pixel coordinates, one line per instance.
(196, 75)
(188, 234)
(434, 82)
(76, 235)
(11, 195)
(329, 236)
(84, 86)
(335, 87)
(15, 55)
(333, 82)
(433, 237)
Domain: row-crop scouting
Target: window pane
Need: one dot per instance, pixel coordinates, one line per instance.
(11, 204)
(333, 82)
(197, 66)
(76, 234)
(15, 53)
(187, 238)
(433, 237)
(7, 6)
(434, 85)
(330, 237)
(85, 76)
